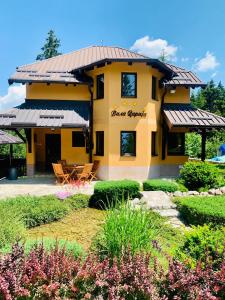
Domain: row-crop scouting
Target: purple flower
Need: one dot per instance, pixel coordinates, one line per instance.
(62, 195)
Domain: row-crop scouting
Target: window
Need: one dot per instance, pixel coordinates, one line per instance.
(128, 143)
(154, 144)
(78, 139)
(100, 143)
(176, 143)
(100, 86)
(129, 85)
(154, 88)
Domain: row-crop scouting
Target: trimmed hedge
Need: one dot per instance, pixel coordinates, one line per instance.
(108, 193)
(202, 210)
(159, 185)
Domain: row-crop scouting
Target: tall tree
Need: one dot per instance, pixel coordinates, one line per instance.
(50, 47)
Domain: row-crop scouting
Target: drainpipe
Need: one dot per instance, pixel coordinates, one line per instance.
(164, 131)
(91, 124)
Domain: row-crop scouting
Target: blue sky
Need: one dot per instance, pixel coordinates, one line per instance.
(190, 32)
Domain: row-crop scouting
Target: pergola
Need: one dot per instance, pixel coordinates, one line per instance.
(186, 117)
(8, 139)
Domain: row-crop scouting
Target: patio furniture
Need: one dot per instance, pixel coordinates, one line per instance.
(60, 174)
(85, 173)
(94, 170)
(63, 163)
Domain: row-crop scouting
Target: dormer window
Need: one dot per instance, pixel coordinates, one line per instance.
(100, 86)
(129, 85)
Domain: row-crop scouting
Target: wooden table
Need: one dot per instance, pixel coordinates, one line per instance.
(73, 169)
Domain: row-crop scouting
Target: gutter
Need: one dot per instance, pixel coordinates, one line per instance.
(90, 85)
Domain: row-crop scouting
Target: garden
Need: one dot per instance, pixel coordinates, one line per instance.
(67, 246)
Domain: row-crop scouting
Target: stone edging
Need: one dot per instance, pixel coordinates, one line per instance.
(211, 192)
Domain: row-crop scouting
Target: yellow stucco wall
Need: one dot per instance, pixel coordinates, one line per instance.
(57, 92)
(143, 126)
(112, 126)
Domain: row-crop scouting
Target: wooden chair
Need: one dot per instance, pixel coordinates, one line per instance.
(94, 170)
(63, 163)
(85, 173)
(60, 174)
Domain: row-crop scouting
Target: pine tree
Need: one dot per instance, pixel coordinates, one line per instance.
(163, 56)
(50, 47)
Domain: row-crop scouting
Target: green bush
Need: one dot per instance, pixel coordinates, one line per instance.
(78, 201)
(11, 227)
(107, 193)
(159, 185)
(35, 211)
(196, 175)
(201, 242)
(200, 210)
(126, 228)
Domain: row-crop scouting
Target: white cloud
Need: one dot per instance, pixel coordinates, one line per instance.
(15, 96)
(154, 48)
(208, 62)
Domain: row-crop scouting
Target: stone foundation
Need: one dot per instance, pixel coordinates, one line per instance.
(138, 172)
(30, 170)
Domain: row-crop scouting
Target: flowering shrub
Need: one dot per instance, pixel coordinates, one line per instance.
(62, 195)
(57, 275)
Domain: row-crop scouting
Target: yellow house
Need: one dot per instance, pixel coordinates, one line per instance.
(127, 110)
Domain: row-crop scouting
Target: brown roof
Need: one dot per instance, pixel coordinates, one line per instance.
(6, 138)
(59, 68)
(184, 77)
(62, 68)
(47, 113)
(185, 115)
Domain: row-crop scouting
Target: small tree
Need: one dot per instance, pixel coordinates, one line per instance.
(50, 47)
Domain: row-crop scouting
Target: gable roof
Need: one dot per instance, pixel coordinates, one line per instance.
(64, 68)
(185, 115)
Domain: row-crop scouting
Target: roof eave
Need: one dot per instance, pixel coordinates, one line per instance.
(202, 85)
(150, 61)
(24, 81)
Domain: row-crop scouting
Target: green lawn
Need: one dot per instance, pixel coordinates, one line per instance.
(81, 226)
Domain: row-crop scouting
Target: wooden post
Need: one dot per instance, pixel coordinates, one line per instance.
(203, 134)
(10, 154)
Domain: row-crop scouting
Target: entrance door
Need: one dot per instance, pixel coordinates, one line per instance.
(52, 150)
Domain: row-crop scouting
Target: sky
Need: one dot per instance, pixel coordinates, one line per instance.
(190, 33)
